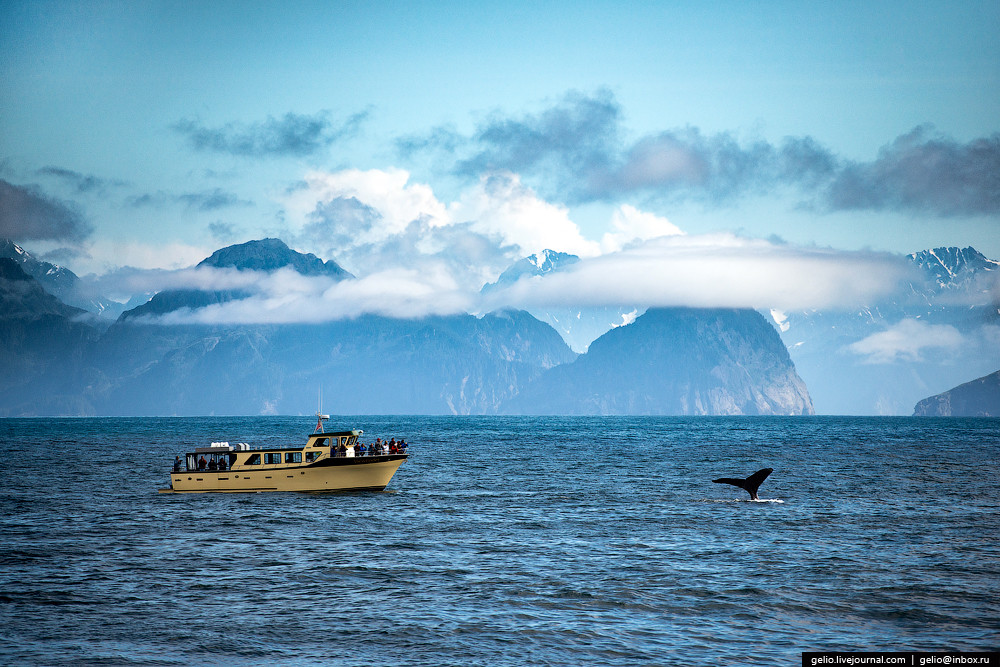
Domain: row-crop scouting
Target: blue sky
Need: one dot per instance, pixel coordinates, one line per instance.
(457, 137)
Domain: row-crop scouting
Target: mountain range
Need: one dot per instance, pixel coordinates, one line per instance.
(669, 361)
(940, 330)
(60, 358)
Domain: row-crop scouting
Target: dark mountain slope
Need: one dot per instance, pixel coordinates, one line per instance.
(438, 365)
(371, 364)
(59, 281)
(675, 361)
(979, 398)
(43, 347)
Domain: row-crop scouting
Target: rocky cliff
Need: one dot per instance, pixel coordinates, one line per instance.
(676, 361)
(979, 398)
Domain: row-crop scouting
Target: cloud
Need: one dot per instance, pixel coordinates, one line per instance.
(574, 152)
(716, 168)
(501, 207)
(577, 136)
(224, 231)
(363, 208)
(443, 138)
(907, 340)
(107, 255)
(292, 135)
(372, 219)
(923, 172)
(211, 200)
(717, 270)
(26, 214)
(81, 183)
(207, 200)
(286, 297)
(631, 225)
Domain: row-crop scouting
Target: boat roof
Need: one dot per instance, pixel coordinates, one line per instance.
(312, 436)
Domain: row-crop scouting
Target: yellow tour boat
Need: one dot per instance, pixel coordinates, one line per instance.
(329, 461)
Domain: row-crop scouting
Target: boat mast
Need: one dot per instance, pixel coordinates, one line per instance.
(319, 412)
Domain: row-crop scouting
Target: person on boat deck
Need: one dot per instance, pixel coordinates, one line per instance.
(401, 446)
(212, 465)
(177, 464)
(222, 463)
(361, 449)
(392, 446)
(342, 450)
(202, 463)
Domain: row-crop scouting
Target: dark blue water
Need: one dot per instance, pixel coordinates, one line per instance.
(505, 541)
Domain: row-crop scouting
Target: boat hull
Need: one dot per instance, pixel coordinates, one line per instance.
(336, 474)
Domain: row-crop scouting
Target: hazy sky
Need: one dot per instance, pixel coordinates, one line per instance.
(452, 138)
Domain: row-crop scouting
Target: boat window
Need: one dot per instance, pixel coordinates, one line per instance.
(293, 457)
(254, 460)
(352, 440)
(320, 442)
(312, 456)
(272, 458)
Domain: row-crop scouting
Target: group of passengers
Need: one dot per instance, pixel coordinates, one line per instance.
(378, 448)
(212, 464)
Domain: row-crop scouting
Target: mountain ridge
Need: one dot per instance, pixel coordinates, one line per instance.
(59, 281)
(271, 254)
(714, 361)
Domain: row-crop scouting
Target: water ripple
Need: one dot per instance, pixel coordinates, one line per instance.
(611, 548)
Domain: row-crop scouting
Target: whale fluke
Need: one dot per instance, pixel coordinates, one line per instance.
(750, 484)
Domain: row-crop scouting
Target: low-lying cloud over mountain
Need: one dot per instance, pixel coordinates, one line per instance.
(700, 271)
(720, 270)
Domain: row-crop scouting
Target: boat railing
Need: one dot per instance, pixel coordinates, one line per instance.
(367, 453)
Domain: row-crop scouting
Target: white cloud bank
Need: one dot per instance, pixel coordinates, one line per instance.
(415, 255)
(700, 271)
(907, 340)
(718, 270)
(286, 297)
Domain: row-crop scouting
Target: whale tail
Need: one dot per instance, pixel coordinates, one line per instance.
(750, 484)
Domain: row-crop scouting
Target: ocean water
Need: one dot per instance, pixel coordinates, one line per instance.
(505, 541)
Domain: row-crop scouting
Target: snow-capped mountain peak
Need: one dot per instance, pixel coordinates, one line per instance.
(955, 268)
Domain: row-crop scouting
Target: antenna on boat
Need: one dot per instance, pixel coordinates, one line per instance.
(319, 413)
